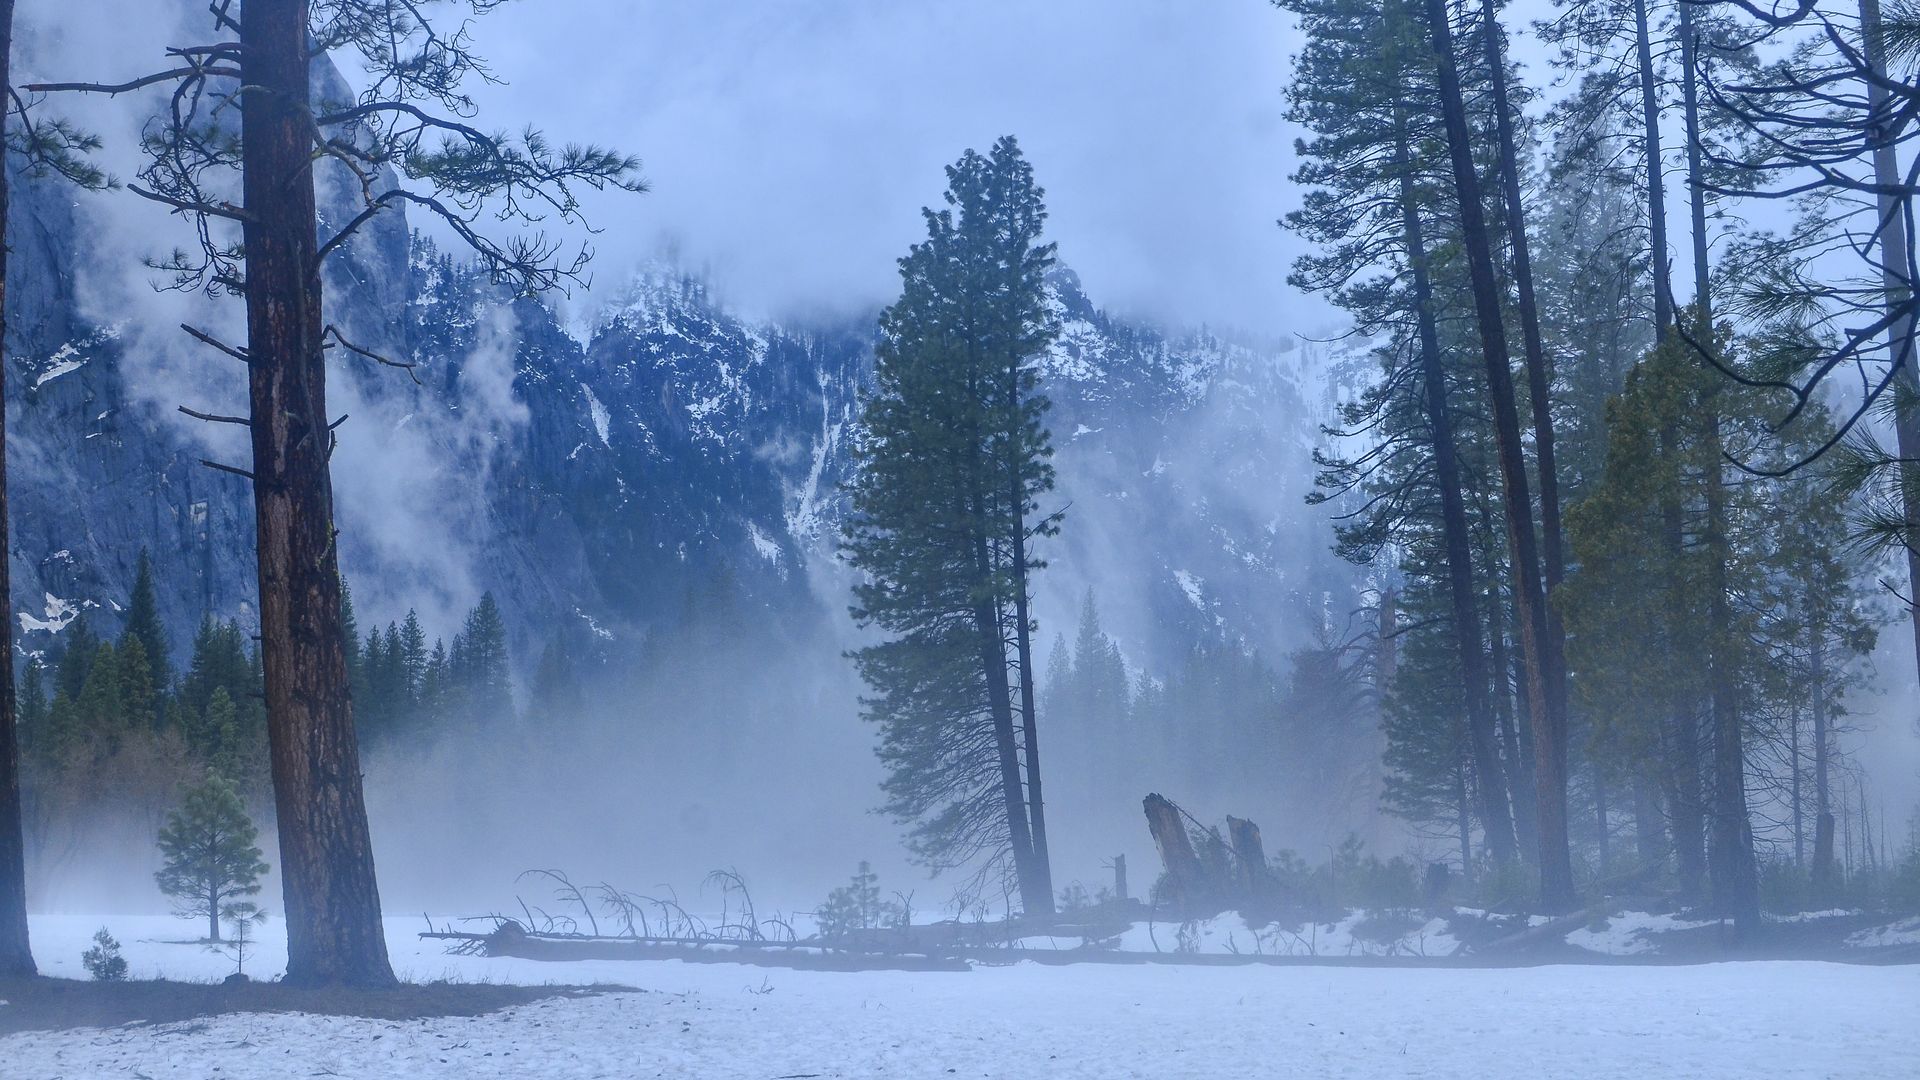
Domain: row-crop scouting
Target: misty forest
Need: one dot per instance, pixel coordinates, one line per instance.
(1321, 537)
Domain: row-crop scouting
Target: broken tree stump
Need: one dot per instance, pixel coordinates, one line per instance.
(1251, 856)
(1186, 878)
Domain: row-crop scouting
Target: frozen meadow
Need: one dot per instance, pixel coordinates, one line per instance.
(1025, 1019)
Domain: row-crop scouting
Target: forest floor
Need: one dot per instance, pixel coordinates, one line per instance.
(1773, 1018)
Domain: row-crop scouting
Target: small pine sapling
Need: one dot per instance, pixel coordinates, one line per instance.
(104, 961)
(241, 916)
(857, 906)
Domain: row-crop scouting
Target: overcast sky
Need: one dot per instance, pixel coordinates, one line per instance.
(791, 145)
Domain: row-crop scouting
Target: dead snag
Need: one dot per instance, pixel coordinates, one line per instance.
(1186, 878)
(1251, 856)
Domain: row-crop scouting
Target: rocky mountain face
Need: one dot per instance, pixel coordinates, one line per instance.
(604, 482)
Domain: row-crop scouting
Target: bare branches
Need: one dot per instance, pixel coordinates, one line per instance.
(406, 140)
(208, 339)
(215, 418)
(140, 83)
(218, 467)
(404, 365)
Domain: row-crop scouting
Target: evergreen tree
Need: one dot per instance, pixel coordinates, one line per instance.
(350, 636)
(1418, 490)
(220, 709)
(143, 625)
(101, 709)
(80, 644)
(952, 461)
(436, 688)
(413, 657)
(31, 706)
(211, 861)
(138, 702)
(372, 701)
(479, 664)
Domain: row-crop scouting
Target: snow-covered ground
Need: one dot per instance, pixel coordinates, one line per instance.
(1021, 1020)
(1629, 933)
(1358, 933)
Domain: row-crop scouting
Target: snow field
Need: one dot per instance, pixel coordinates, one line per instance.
(1726, 1020)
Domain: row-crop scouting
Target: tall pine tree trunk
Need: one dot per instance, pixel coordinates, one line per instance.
(1795, 795)
(1556, 865)
(1895, 275)
(1036, 805)
(1823, 878)
(1516, 729)
(987, 617)
(1733, 873)
(1453, 518)
(1655, 179)
(1023, 646)
(16, 958)
(1649, 827)
(1539, 385)
(334, 934)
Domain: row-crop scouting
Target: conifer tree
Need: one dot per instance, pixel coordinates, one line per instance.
(413, 656)
(31, 706)
(80, 644)
(404, 140)
(950, 466)
(143, 625)
(211, 861)
(480, 665)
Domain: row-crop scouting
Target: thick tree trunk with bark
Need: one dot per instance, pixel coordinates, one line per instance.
(1458, 541)
(334, 934)
(16, 958)
(1556, 865)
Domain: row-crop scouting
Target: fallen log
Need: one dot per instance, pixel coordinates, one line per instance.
(510, 939)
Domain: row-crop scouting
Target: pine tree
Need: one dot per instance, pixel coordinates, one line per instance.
(79, 644)
(372, 707)
(211, 858)
(101, 708)
(31, 706)
(952, 461)
(138, 702)
(221, 711)
(1367, 87)
(413, 657)
(143, 625)
(479, 664)
(436, 688)
(350, 637)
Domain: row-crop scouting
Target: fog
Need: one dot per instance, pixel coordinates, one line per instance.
(789, 149)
